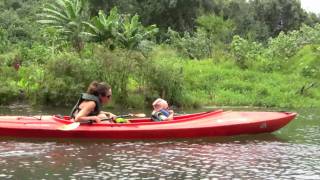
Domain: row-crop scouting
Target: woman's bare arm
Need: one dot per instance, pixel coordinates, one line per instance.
(86, 108)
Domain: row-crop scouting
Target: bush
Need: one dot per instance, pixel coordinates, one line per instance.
(4, 42)
(311, 35)
(30, 82)
(212, 31)
(311, 66)
(245, 53)
(164, 76)
(276, 54)
(117, 67)
(10, 58)
(70, 65)
(9, 92)
(67, 75)
(306, 62)
(194, 46)
(61, 91)
(36, 54)
(216, 28)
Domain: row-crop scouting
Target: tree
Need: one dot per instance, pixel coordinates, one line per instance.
(17, 18)
(216, 28)
(261, 19)
(279, 15)
(104, 28)
(180, 15)
(132, 32)
(121, 30)
(68, 17)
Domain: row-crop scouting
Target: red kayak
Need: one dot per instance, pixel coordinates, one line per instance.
(206, 124)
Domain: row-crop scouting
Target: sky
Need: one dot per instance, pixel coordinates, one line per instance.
(311, 5)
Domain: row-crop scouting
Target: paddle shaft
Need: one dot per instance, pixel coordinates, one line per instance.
(75, 125)
(104, 119)
(108, 119)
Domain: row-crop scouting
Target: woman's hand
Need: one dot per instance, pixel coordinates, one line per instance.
(96, 119)
(112, 116)
(109, 115)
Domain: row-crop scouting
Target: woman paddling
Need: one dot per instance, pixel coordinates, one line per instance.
(89, 104)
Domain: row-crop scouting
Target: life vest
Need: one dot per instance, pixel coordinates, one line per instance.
(160, 115)
(87, 97)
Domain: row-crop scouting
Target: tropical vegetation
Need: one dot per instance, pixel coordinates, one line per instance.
(190, 52)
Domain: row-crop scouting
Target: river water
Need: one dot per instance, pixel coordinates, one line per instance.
(290, 153)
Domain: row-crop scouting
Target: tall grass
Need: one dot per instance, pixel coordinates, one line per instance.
(207, 83)
(163, 73)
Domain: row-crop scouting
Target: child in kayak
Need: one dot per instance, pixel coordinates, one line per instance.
(89, 104)
(161, 111)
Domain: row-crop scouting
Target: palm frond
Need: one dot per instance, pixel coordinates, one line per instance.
(50, 17)
(48, 21)
(88, 34)
(55, 13)
(70, 10)
(91, 27)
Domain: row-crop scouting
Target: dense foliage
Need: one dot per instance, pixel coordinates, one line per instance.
(190, 52)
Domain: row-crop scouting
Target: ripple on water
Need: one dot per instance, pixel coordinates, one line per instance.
(181, 160)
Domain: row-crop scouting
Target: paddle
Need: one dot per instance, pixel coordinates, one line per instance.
(75, 125)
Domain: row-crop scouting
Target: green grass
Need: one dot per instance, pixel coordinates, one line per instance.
(189, 83)
(221, 84)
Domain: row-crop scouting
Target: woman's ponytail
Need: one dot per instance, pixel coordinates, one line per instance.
(96, 88)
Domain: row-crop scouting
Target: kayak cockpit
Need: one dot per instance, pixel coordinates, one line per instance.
(145, 121)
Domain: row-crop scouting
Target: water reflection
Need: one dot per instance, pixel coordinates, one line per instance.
(291, 153)
(202, 158)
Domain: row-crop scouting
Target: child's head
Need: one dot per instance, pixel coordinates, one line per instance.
(159, 104)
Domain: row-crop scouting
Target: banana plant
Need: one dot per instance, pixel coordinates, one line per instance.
(67, 16)
(103, 27)
(132, 32)
(123, 30)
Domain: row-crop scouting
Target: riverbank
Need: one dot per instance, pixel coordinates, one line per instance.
(186, 83)
(224, 84)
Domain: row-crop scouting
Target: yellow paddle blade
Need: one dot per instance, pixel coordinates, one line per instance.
(68, 127)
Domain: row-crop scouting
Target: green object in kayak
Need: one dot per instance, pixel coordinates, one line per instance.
(121, 120)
